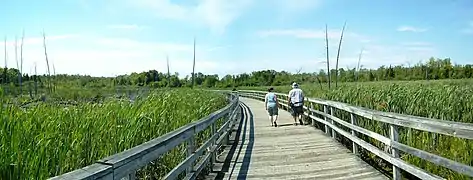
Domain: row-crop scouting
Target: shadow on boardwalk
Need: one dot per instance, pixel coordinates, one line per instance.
(259, 151)
(239, 136)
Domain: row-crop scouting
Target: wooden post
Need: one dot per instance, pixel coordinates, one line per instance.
(132, 176)
(395, 153)
(327, 129)
(311, 113)
(230, 123)
(334, 133)
(213, 131)
(353, 132)
(190, 150)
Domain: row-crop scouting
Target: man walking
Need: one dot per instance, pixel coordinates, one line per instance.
(296, 102)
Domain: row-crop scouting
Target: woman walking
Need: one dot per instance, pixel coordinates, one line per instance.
(271, 105)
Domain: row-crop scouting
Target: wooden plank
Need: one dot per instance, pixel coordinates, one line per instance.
(189, 160)
(354, 133)
(373, 149)
(285, 152)
(93, 171)
(458, 167)
(451, 128)
(364, 131)
(141, 155)
(439, 160)
(394, 135)
(127, 162)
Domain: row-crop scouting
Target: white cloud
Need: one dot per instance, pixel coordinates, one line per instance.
(37, 40)
(416, 44)
(410, 29)
(291, 6)
(217, 48)
(216, 14)
(313, 34)
(101, 56)
(126, 27)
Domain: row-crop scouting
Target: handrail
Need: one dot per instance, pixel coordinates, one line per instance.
(450, 128)
(126, 163)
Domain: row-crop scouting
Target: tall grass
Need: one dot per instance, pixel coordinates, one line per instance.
(49, 140)
(447, 99)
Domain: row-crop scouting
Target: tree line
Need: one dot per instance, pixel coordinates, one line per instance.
(431, 70)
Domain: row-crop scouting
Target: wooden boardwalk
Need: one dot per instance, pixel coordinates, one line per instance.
(246, 146)
(260, 151)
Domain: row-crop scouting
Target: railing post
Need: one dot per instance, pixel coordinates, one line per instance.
(353, 132)
(213, 131)
(334, 133)
(311, 113)
(132, 176)
(395, 153)
(190, 149)
(229, 119)
(327, 129)
(304, 117)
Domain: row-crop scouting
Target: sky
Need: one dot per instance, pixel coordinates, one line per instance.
(115, 37)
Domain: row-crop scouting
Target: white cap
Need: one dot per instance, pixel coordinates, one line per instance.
(295, 85)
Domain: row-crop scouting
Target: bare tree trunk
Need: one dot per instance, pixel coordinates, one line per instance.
(358, 65)
(169, 73)
(298, 74)
(47, 61)
(193, 67)
(320, 82)
(328, 61)
(35, 81)
(5, 77)
(54, 79)
(21, 61)
(338, 55)
(17, 64)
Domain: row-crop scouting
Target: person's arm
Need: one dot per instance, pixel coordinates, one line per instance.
(303, 97)
(277, 102)
(289, 98)
(266, 102)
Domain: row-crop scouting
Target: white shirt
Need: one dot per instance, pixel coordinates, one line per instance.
(296, 96)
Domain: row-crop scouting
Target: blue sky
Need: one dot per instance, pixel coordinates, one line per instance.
(110, 37)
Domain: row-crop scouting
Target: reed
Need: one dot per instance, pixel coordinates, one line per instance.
(49, 139)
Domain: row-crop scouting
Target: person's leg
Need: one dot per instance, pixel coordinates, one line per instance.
(275, 113)
(270, 113)
(294, 114)
(300, 112)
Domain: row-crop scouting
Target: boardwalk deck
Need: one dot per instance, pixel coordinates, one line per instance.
(285, 152)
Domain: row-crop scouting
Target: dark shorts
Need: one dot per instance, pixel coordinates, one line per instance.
(273, 110)
(297, 110)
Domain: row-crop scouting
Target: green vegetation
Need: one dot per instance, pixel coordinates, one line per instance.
(43, 124)
(49, 139)
(434, 69)
(441, 99)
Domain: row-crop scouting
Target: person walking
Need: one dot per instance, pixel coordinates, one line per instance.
(271, 105)
(295, 100)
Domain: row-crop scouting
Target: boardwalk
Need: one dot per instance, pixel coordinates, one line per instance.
(285, 152)
(245, 146)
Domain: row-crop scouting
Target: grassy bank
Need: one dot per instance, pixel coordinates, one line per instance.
(48, 140)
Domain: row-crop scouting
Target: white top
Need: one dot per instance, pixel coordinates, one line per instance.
(296, 96)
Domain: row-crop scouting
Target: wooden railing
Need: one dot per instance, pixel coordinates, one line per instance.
(454, 129)
(124, 165)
